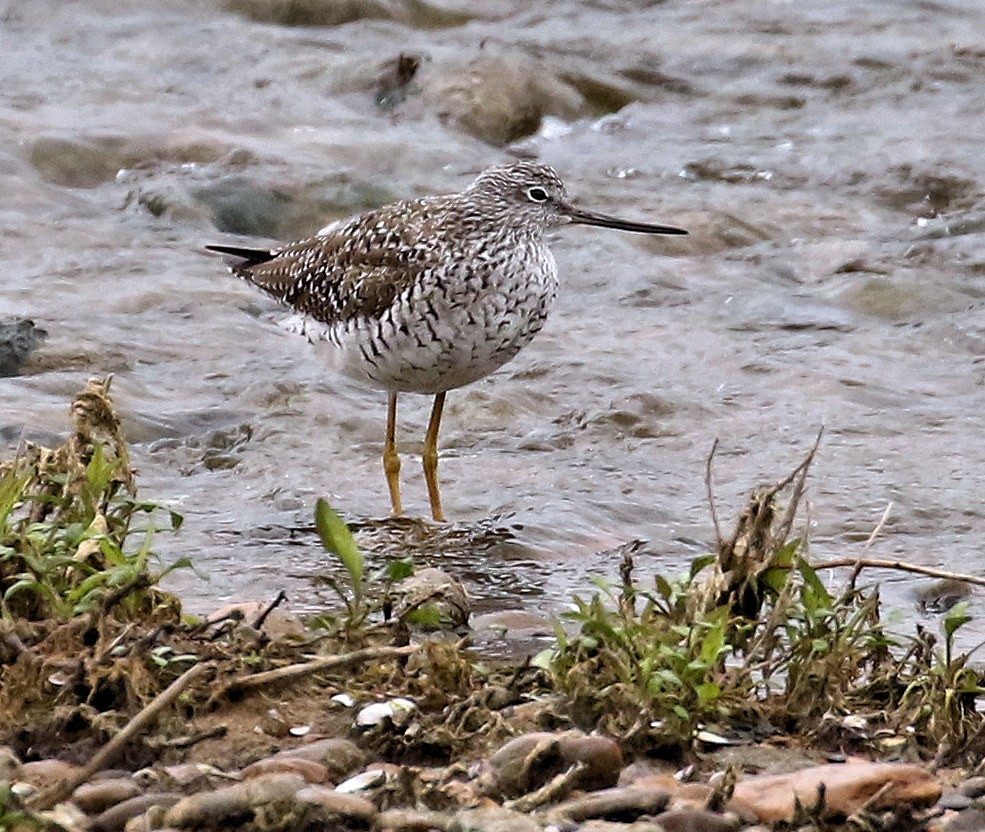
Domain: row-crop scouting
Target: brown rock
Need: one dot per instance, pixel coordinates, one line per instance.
(225, 806)
(492, 819)
(311, 771)
(338, 755)
(93, 798)
(115, 818)
(500, 99)
(697, 820)
(690, 796)
(42, 773)
(626, 803)
(331, 804)
(529, 761)
(411, 820)
(848, 786)
(10, 766)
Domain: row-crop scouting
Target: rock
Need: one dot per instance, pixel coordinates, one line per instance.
(697, 820)
(274, 792)
(116, 817)
(609, 826)
(411, 820)
(529, 761)
(956, 801)
(311, 771)
(848, 787)
(973, 787)
(10, 766)
(336, 12)
(689, 795)
(329, 805)
(93, 798)
(499, 99)
(18, 339)
(42, 773)
(971, 820)
(431, 599)
(339, 756)
(492, 819)
(624, 803)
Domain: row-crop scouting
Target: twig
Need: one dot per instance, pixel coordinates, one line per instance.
(710, 487)
(281, 597)
(295, 671)
(557, 788)
(873, 563)
(798, 477)
(61, 790)
(879, 525)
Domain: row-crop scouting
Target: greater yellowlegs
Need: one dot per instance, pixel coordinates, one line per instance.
(427, 295)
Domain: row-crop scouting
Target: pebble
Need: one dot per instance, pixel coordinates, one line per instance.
(93, 798)
(115, 818)
(529, 761)
(10, 766)
(332, 803)
(492, 819)
(42, 773)
(219, 808)
(311, 771)
(973, 787)
(622, 802)
(412, 820)
(339, 756)
(697, 820)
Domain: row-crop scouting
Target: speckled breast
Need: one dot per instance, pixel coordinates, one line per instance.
(455, 325)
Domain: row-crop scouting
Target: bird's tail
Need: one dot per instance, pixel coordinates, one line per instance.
(250, 256)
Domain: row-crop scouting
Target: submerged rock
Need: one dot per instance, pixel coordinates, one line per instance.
(18, 339)
(500, 99)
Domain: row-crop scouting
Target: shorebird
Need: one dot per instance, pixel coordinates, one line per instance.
(428, 295)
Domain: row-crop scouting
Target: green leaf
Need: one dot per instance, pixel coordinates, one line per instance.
(428, 615)
(397, 570)
(337, 539)
(956, 618)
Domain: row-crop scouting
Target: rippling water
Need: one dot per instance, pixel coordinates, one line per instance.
(826, 160)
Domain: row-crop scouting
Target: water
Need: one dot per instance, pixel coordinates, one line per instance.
(826, 161)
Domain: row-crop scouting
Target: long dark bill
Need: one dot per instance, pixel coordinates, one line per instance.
(582, 217)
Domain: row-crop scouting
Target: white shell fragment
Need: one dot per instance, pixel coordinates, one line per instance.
(362, 781)
(398, 711)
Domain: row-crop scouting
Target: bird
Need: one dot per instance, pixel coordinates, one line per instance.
(432, 294)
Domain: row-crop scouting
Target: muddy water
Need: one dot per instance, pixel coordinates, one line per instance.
(827, 161)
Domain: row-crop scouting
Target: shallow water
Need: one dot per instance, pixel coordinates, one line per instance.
(826, 161)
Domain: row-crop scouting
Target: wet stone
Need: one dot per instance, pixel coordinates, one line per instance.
(311, 771)
(492, 819)
(116, 817)
(18, 339)
(627, 803)
(328, 804)
(529, 761)
(340, 756)
(973, 787)
(500, 99)
(697, 820)
(97, 797)
(971, 820)
(224, 806)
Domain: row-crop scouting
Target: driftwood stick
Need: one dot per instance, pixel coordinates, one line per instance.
(710, 487)
(295, 671)
(63, 788)
(873, 563)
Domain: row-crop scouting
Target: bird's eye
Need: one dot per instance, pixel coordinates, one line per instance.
(537, 194)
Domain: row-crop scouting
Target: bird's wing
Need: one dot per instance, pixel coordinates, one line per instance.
(355, 270)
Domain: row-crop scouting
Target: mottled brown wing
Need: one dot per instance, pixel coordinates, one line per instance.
(356, 270)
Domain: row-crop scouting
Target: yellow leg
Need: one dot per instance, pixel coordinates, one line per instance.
(391, 462)
(430, 458)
